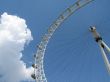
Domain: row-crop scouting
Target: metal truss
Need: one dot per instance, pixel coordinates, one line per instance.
(39, 74)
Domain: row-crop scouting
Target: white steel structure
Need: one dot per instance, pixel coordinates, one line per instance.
(102, 46)
(39, 74)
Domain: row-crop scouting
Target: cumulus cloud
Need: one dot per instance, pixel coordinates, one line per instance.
(14, 35)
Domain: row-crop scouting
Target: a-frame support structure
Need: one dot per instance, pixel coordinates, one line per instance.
(103, 47)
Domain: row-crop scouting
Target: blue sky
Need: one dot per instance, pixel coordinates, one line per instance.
(72, 54)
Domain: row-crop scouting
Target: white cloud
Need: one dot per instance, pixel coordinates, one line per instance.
(14, 35)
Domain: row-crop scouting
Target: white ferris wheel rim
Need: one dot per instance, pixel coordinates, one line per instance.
(39, 74)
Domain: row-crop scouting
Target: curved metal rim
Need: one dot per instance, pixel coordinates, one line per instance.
(39, 70)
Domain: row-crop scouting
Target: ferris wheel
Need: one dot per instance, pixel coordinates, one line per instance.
(39, 74)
